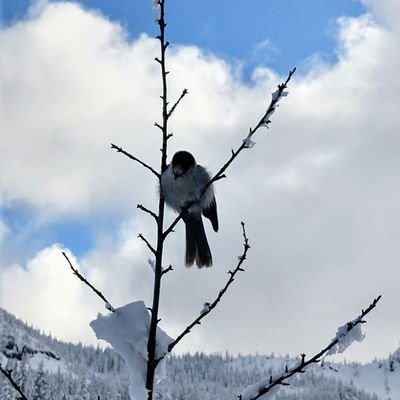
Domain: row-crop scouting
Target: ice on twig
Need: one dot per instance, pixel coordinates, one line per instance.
(152, 264)
(346, 335)
(206, 308)
(277, 95)
(252, 391)
(156, 9)
(109, 307)
(247, 140)
(127, 331)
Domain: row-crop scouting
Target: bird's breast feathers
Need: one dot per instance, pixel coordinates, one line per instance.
(186, 188)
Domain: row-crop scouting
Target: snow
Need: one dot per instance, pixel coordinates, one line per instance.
(206, 308)
(248, 142)
(49, 364)
(109, 307)
(102, 373)
(127, 332)
(250, 392)
(346, 335)
(152, 264)
(275, 95)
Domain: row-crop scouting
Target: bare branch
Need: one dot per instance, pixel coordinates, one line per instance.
(86, 282)
(146, 210)
(221, 293)
(183, 94)
(264, 121)
(140, 236)
(157, 125)
(121, 150)
(158, 271)
(281, 380)
(164, 271)
(7, 374)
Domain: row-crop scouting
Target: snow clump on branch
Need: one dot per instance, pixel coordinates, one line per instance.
(127, 330)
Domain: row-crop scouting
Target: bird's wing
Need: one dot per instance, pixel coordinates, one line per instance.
(211, 213)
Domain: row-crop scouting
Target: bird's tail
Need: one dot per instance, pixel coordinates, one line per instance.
(197, 247)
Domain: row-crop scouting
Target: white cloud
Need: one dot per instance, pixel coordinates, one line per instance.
(387, 11)
(319, 192)
(45, 293)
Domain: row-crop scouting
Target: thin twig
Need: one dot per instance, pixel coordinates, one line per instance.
(281, 380)
(264, 121)
(164, 271)
(121, 150)
(183, 94)
(86, 282)
(221, 293)
(152, 249)
(146, 210)
(7, 374)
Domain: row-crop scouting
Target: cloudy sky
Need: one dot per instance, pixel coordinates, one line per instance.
(319, 192)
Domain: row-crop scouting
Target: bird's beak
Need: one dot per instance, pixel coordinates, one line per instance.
(178, 171)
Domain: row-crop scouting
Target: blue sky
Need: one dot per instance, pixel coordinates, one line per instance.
(295, 30)
(318, 193)
(277, 34)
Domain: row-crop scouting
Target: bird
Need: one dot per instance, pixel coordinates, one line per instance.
(182, 185)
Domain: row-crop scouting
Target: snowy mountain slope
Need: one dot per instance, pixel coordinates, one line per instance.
(48, 369)
(381, 377)
(52, 370)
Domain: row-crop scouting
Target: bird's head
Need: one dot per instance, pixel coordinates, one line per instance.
(182, 162)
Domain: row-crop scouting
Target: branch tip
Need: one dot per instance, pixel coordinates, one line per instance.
(132, 157)
(86, 282)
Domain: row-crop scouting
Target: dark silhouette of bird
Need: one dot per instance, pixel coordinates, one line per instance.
(182, 185)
